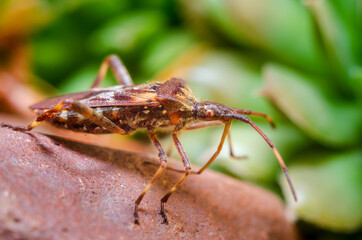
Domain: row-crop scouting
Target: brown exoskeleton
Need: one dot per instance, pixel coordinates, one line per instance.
(123, 109)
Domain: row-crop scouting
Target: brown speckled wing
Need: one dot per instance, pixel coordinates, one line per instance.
(138, 95)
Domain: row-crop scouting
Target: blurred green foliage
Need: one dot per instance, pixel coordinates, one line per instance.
(299, 61)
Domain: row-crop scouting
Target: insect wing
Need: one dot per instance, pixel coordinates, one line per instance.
(102, 97)
(127, 96)
(51, 102)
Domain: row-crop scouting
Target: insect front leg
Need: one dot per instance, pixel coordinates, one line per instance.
(212, 124)
(187, 172)
(231, 152)
(199, 125)
(224, 134)
(118, 69)
(195, 126)
(249, 112)
(163, 164)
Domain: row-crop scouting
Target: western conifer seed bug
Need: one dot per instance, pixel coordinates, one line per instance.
(126, 107)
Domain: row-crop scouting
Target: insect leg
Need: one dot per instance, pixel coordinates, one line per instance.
(249, 112)
(41, 118)
(231, 152)
(187, 172)
(93, 115)
(209, 124)
(204, 124)
(212, 124)
(193, 127)
(163, 163)
(118, 69)
(77, 107)
(226, 130)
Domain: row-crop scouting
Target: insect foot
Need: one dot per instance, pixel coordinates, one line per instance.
(163, 214)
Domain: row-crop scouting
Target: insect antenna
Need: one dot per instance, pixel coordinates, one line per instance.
(240, 117)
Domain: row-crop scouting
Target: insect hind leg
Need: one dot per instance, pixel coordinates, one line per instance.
(119, 71)
(41, 118)
(93, 115)
(77, 107)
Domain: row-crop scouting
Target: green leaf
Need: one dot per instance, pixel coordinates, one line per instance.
(282, 28)
(261, 164)
(324, 118)
(339, 32)
(83, 79)
(329, 190)
(230, 78)
(164, 50)
(128, 32)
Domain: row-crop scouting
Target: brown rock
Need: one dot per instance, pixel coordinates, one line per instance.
(52, 188)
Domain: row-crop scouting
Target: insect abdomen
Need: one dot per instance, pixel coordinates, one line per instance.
(128, 118)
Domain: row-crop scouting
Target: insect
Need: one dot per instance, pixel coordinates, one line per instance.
(126, 107)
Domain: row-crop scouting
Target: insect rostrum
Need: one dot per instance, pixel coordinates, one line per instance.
(126, 107)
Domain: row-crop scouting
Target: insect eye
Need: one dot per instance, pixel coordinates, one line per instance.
(209, 113)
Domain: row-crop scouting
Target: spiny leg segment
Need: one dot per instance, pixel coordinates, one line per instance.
(119, 71)
(41, 118)
(226, 132)
(231, 152)
(163, 164)
(212, 124)
(187, 165)
(77, 107)
(249, 112)
(203, 125)
(187, 172)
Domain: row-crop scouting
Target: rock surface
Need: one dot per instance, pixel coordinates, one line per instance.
(51, 188)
